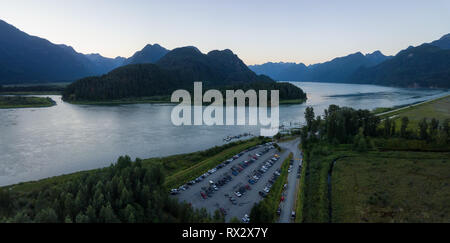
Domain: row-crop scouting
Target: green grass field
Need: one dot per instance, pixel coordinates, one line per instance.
(392, 187)
(8, 102)
(400, 180)
(438, 108)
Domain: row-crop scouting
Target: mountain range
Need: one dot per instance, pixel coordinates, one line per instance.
(426, 65)
(30, 59)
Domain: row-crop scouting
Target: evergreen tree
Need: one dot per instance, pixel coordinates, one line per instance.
(404, 126)
(423, 129)
(309, 117)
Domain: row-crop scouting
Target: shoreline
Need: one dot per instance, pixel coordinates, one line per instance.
(130, 102)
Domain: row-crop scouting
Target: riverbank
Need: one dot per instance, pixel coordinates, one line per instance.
(13, 102)
(178, 168)
(158, 100)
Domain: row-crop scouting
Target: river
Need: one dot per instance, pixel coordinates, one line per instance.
(36, 143)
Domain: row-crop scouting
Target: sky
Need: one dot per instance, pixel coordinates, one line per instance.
(257, 31)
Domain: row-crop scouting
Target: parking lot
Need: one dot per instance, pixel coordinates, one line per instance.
(236, 187)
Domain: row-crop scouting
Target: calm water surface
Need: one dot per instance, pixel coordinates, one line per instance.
(41, 142)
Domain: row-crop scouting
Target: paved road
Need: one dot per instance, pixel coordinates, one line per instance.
(290, 193)
(244, 203)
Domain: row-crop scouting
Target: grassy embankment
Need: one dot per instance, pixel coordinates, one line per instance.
(292, 102)
(272, 200)
(398, 181)
(300, 201)
(7, 102)
(178, 168)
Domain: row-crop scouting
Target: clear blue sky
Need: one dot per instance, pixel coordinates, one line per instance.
(258, 31)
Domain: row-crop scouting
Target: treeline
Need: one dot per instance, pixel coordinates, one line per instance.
(148, 80)
(343, 125)
(124, 192)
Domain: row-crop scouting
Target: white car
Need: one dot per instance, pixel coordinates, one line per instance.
(246, 219)
(238, 194)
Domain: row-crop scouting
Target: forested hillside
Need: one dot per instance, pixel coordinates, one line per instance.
(177, 70)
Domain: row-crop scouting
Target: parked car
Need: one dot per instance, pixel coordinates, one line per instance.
(279, 211)
(246, 219)
(293, 215)
(203, 195)
(233, 200)
(238, 194)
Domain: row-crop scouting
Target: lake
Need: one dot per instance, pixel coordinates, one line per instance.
(37, 143)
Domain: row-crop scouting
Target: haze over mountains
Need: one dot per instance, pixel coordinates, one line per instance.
(30, 59)
(427, 65)
(336, 70)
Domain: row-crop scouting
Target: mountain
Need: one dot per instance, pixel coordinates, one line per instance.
(443, 42)
(216, 67)
(149, 54)
(102, 64)
(178, 69)
(30, 59)
(336, 70)
(281, 70)
(339, 69)
(423, 66)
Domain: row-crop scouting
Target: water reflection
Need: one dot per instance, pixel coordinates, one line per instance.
(42, 142)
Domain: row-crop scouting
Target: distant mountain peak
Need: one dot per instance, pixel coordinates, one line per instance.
(443, 42)
(149, 54)
(447, 36)
(375, 53)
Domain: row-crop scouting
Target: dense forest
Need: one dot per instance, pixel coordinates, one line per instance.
(124, 192)
(343, 125)
(177, 70)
